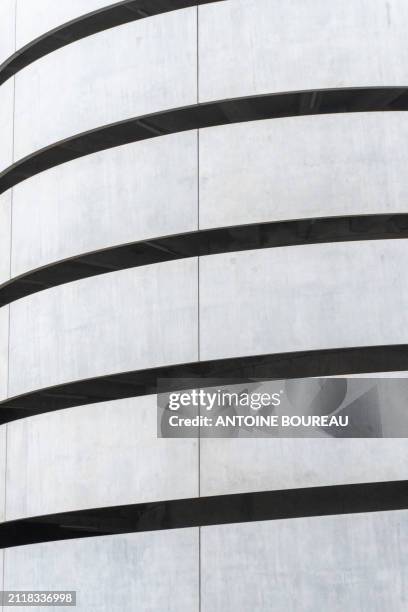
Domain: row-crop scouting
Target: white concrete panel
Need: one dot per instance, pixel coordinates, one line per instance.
(243, 465)
(5, 236)
(101, 455)
(262, 46)
(6, 123)
(134, 319)
(4, 339)
(7, 28)
(300, 167)
(3, 450)
(357, 562)
(140, 67)
(144, 572)
(36, 18)
(303, 298)
(121, 195)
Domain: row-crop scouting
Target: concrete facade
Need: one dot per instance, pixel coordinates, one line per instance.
(310, 297)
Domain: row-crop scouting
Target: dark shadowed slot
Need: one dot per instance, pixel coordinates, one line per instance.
(260, 367)
(210, 114)
(205, 242)
(206, 511)
(88, 24)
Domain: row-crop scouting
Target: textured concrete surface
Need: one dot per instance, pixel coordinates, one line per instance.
(144, 572)
(7, 28)
(121, 195)
(4, 337)
(303, 298)
(6, 123)
(137, 68)
(244, 465)
(300, 167)
(250, 47)
(37, 18)
(101, 455)
(138, 318)
(337, 563)
(5, 236)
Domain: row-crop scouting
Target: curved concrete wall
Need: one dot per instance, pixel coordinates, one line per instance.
(338, 563)
(131, 70)
(6, 123)
(305, 298)
(129, 193)
(5, 236)
(35, 19)
(59, 462)
(327, 563)
(298, 167)
(134, 319)
(250, 47)
(120, 573)
(95, 456)
(7, 28)
(280, 300)
(4, 348)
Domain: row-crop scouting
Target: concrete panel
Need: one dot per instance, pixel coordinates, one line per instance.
(133, 319)
(262, 46)
(64, 461)
(4, 338)
(128, 193)
(3, 450)
(243, 465)
(5, 236)
(144, 572)
(357, 562)
(299, 167)
(137, 68)
(37, 18)
(6, 123)
(303, 298)
(7, 28)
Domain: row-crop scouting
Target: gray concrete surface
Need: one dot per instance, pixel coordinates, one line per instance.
(7, 29)
(133, 319)
(4, 345)
(250, 47)
(301, 167)
(101, 455)
(35, 19)
(238, 465)
(145, 572)
(5, 236)
(303, 298)
(337, 563)
(136, 68)
(121, 195)
(6, 123)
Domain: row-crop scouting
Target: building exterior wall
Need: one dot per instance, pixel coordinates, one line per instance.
(266, 301)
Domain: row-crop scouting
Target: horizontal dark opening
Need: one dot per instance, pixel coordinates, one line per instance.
(88, 24)
(205, 242)
(202, 116)
(259, 367)
(206, 511)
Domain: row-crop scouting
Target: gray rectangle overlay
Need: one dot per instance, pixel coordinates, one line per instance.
(338, 407)
(37, 598)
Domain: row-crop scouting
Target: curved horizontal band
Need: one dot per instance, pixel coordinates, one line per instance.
(330, 362)
(88, 24)
(206, 242)
(205, 511)
(203, 115)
